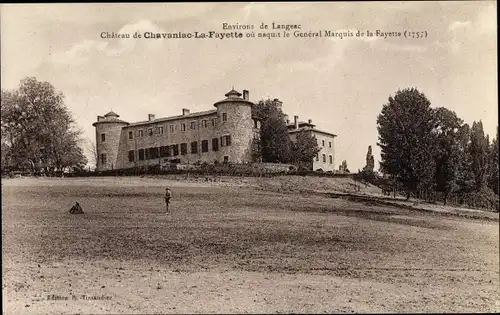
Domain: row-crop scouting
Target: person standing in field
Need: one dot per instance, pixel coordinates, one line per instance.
(168, 195)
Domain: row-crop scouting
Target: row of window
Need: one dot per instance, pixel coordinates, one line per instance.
(329, 143)
(176, 149)
(173, 127)
(330, 158)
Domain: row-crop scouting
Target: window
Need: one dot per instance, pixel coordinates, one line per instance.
(175, 149)
(131, 154)
(150, 131)
(331, 159)
(224, 116)
(324, 158)
(141, 154)
(193, 125)
(194, 147)
(163, 151)
(103, 158)
(171, 128)
(204, 123)
(160, 130)
(146, 153)
(153, 153)
(256, 135)
(214, 122)
(140, 133)
(183, 127)
(226, 159)
(215, 144)
(103, 137)
(130, 135)
(317, 156)
(184, 148)
(225, 141)
(329, 144)
(204, 146)
(323, 142)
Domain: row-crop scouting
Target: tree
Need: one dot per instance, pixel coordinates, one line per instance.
(465, 177)
(446, 132)
(405, 127)
(276, 146)
(493, 174)
(39, 129)
(479, 152)
(92, 149)
(370, 162)
(343, 167)
(304, 149)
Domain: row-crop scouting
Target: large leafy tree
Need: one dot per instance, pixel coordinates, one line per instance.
(465, 177)
(304, 149)
(479, 153)
(447, 154)
(38, 131)
(276, 145)
(405, 136)
(493, 174)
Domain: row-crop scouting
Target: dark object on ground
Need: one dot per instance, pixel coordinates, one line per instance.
(76, 209)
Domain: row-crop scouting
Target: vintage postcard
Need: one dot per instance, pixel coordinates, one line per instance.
(328, 157)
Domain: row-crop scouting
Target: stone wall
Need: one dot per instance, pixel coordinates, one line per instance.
(110, 145)
(239, 126)
(327, 150)
(168, 138)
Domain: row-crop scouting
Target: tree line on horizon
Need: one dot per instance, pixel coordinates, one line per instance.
(422, 148)
(432, 149)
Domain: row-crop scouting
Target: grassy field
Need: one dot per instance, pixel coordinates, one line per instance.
(234, 250)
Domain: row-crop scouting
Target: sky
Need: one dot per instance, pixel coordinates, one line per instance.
(341, 84)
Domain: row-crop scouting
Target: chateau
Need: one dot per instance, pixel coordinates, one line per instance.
(228, 133)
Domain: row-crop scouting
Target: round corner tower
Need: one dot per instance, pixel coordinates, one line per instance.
(108, 130)
(234, 119)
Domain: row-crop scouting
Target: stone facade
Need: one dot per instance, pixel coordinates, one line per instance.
(325, 159)
(227, 133)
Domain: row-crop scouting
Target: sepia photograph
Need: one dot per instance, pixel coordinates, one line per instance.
(250, 157)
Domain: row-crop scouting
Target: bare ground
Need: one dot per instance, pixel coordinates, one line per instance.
(234, 250)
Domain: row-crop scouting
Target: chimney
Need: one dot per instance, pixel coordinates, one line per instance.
(246, 95)
(296, 121)
(277, 103)
(286, 119)
(185, 111)
(151, 117)
(310, 121)
(99, 118)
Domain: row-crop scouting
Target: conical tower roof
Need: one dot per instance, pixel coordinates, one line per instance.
(111, 114)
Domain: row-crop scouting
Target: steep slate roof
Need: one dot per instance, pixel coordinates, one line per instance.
(158, 120)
